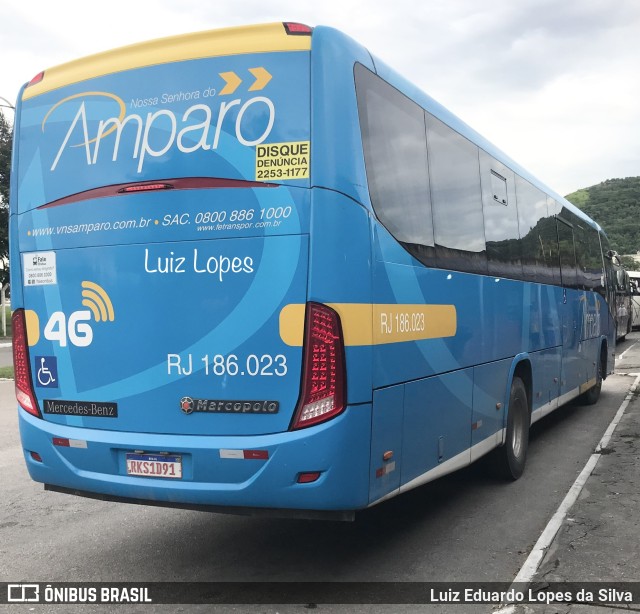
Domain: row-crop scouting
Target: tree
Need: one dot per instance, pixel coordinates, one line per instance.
(629, 263)
(615, 205)
(5, 169)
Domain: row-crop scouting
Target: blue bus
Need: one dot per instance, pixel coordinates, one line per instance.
(257, 271)
(624, 301)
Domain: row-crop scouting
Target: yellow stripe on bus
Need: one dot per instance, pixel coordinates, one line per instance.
(367, 324)
(587, 385)
(211, 43)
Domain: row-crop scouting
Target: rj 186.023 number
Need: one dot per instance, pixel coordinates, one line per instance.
(253, 365)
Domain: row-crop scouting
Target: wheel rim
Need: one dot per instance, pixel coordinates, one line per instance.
(517, 432)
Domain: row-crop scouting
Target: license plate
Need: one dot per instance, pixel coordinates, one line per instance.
(155, 465)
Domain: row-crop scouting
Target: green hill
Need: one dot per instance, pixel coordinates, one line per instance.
(615, 205)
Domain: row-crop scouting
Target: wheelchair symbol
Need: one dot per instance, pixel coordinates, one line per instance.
(47, 378)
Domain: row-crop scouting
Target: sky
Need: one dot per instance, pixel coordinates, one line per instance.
(554, 84)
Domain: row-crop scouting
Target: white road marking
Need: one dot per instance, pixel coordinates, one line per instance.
(623, 353)
(530, 567)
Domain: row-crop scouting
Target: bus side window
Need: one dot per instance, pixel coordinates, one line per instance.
(594, 267)
(395, 151)
(567, 254)
(500, 218)
(456, 199)
(537, 242)
(579, 234)
(609, 276)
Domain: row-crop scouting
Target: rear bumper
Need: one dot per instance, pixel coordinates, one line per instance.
(263, 512)
(339, 449)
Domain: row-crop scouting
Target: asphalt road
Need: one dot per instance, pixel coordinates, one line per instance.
(469, 526)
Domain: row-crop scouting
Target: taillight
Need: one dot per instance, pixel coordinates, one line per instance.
(323, 375)
(21, 365)
(297, 29)
(39, 77)
(145, 187)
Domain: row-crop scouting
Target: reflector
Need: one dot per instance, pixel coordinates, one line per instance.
(308, 477)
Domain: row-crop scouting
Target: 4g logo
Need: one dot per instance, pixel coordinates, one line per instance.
(74, 328)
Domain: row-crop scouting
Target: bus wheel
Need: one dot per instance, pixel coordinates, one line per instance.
(512, 456)
(591, 396)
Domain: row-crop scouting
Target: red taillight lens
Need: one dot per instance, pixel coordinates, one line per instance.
(39, 77)
(146, 187)
(21, 366)
(323, 376)
(297, 29)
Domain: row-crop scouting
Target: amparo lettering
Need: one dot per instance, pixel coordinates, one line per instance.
(159, 131)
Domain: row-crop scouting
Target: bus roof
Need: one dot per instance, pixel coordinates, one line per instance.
(210, 43)
(261, 38)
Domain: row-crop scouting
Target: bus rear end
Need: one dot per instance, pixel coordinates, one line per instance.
(165, 346)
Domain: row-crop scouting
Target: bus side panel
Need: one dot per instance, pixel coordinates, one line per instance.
(551, 360)
(573, 359)
(437, 423)
(386, 438)
(469, 319)
(340, 275)
(490, 385)
(14, 246)
(592, 334)
(541, 317)
(336, 149)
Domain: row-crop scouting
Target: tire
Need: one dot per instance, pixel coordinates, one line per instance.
(591, 396)
(512, 456)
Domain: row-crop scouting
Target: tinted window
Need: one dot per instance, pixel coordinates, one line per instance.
(609, 272)
(550, 238)
(580, 241)
(536, 230)
(500, 218)
(567, 254)
(456, 199)
(590, 260)
(622, 281)
(499, 186)
(394, 139)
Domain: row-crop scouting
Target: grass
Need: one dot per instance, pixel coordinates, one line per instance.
(7, 372)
